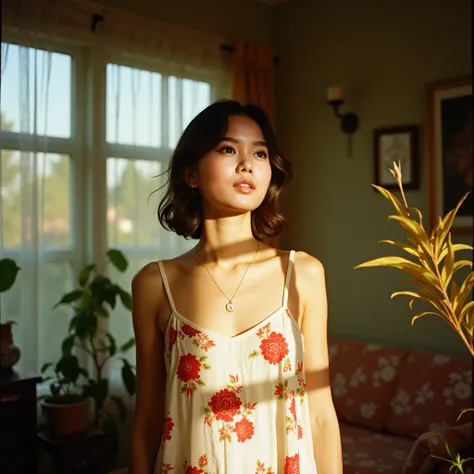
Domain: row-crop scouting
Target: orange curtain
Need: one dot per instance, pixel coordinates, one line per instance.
(253, 76)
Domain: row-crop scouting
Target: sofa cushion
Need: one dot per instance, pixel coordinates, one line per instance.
(431, 391)
(363, 380)
(367, 452)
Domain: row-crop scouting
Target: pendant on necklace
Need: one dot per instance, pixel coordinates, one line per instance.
(230, 307)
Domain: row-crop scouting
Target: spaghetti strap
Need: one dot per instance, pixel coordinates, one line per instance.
(166, 285)
(288, 278)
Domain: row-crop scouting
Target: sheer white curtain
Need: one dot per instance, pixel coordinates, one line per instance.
(35, 200)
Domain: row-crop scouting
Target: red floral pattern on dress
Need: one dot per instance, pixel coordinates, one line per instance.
(168, 428)
(261, 469)
(244, 430)
(283, 392)
(194, 470)
(189, 331)
(273, 347)
(292, 464)
(199, 339)
(224, 406)
(189, 372)
(165, 468)
(188, 368)
(202, 463)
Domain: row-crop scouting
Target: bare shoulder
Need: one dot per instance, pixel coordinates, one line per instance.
(147, 278)
(147, 291)
(307, 267)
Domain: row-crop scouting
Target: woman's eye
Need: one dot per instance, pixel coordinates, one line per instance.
(261, 154)
(227, 150)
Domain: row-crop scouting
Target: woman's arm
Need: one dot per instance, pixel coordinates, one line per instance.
(147, 294)
(324, 424)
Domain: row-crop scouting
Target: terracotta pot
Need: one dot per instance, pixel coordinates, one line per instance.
(9, 353)
(66, 414)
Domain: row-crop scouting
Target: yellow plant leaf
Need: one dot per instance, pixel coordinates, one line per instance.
(456, 248)
(464, 291)
(418, 233)
(399, 207)
(454, 290)
(461, 264)
(403, 264)
(442, 229)
(468, 307)
(405, 293)
(407, 248)
(464, 410)
(447, 270)
(418, 316)
(420, 215)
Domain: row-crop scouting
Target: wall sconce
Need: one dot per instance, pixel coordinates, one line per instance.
(349, 121)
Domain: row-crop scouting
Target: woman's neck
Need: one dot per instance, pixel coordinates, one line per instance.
(227, 242)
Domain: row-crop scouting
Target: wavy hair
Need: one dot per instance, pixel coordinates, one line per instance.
(180, 209)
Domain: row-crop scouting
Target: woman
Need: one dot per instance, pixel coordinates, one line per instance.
(225, 384)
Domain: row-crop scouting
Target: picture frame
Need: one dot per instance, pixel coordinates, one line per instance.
(449, 135)
(399, 143)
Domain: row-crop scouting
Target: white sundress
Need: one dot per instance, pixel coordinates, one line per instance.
(236, 405)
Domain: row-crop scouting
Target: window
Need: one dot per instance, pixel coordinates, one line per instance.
(38, 154)
(84, 139)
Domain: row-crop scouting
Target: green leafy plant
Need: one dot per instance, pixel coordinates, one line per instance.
(91, 303)
(8, 273)
(432, 266)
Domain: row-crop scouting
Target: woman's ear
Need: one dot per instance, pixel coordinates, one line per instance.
(190, 176)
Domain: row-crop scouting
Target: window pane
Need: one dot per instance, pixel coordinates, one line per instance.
(131, 209)
(36, 91)
(133, 106)
(186, 98)
(35, 198)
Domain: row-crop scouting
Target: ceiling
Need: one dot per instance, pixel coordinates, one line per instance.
(272, 2)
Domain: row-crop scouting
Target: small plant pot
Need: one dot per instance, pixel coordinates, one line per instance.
(66, 414)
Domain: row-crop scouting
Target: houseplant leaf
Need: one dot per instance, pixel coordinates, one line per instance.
(8, 273)
(118, 260)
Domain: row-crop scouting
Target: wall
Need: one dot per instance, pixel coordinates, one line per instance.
(384, 54)
(243, 19)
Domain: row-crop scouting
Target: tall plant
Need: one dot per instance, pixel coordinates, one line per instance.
(431, 267)
(92, 303)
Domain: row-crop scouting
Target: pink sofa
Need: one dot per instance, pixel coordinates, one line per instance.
(397, 407)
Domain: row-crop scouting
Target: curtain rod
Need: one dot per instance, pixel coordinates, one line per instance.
(231, 49)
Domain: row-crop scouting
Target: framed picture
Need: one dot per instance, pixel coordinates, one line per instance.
(396, 144)
(449, 151)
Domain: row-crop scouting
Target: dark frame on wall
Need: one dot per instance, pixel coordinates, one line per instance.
(449, 135)
(399, 144)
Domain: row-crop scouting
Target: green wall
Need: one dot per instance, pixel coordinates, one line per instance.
(384, 54)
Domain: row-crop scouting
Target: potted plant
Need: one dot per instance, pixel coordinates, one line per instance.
(88, 348)
(66, 409)
(432, 275)
(9, 352)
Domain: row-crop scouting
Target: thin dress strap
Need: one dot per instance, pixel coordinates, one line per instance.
(166, 285)
(288, 278)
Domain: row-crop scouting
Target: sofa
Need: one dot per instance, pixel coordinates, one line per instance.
(397, 407)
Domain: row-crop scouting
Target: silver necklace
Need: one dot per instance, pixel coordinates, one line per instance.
(230, 306)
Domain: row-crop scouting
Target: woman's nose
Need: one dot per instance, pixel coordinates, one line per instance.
(246, 165)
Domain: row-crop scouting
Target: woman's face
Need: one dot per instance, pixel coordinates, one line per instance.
(234, 177)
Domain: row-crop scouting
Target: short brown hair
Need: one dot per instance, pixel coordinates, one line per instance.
(180, 209)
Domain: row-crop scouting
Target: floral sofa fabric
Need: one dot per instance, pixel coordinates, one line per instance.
(386, 398)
